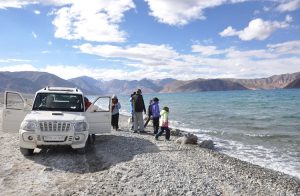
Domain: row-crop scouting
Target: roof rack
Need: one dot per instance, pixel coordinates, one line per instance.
(61, 89)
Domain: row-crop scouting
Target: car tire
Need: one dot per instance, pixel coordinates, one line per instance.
(81, 150)
(26, 151)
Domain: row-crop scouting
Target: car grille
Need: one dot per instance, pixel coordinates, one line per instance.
(55, 126)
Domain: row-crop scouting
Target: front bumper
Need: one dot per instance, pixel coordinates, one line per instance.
(32, 140)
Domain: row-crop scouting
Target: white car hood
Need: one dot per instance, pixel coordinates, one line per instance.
(54, 116)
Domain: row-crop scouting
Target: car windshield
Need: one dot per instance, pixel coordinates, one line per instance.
(58, 102)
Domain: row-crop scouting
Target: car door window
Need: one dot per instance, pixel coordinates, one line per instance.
(102, 104)
(14, 101)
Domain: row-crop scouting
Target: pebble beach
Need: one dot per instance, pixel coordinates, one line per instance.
(127, 163)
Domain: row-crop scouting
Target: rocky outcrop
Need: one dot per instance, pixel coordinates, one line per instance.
(294, 84)
(273, 82)
(204, 85)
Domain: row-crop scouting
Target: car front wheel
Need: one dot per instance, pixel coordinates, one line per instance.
(81, 150)
(26, 151)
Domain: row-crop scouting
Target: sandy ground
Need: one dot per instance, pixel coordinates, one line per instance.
(126, 163)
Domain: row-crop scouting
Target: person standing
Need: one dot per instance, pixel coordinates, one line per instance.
(87, 103)
(131, 108)
(164, 123)
(138, 108)
(149, 113)
(115, 107)
(155, 114)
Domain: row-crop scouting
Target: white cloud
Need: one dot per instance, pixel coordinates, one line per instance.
(19, 67)
(159, 61)
(257, 29)
(182, 12)
(289, 6)
(229, 31)
(55, 2)
(34, 34)
(37, 12)
(93, 21)
(206, 50)
(13, 60)
(290, 47)
(68, 72)
(4, 4)
(266, 9)
(146, 53)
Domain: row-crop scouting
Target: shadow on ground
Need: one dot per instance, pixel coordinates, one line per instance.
(107, 151)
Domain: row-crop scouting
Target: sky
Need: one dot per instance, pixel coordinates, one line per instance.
(154, 39)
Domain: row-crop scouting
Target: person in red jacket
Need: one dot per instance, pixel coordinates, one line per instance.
(87, 103)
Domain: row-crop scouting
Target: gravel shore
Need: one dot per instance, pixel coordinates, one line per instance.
(126, 163)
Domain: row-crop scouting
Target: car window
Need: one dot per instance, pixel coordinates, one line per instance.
(58, 102)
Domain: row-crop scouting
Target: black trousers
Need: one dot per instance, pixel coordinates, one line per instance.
(155, 122)
(115, 121)
(162, 129)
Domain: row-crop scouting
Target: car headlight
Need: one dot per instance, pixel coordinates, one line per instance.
(80, 126)
(28, 126)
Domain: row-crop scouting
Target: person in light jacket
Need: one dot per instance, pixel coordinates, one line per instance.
(115, 107)
(164, 123)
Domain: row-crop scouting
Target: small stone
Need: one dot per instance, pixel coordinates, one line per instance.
(48, 169)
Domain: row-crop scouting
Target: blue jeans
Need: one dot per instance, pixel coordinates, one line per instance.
(162, 129)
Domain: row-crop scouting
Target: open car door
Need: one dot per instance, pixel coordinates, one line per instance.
(14, 111)
(99, 116)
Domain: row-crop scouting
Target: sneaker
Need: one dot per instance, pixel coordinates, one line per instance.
(135, 131)
(156, 138)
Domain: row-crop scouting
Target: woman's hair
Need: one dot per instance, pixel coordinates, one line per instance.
(166, 109)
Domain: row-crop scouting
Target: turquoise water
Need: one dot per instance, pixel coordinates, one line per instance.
(261, 127)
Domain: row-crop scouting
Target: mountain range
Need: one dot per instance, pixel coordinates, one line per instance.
(30, 82)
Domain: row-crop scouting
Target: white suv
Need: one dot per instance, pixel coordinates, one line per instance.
(57, 117)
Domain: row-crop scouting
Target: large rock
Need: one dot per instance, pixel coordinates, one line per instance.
(207, 144)
(176, 132)
(187, 139)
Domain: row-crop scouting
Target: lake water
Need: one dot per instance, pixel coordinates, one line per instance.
(261, 127)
